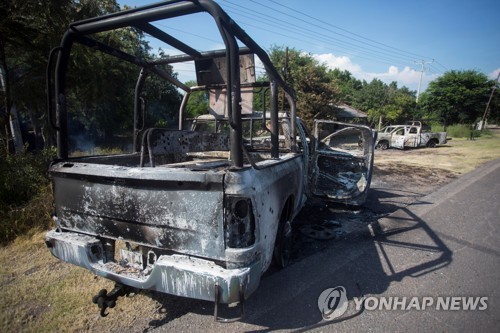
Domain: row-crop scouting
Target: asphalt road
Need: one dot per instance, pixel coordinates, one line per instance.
(446, 244)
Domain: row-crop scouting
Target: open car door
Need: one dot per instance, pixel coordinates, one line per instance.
(342, 161)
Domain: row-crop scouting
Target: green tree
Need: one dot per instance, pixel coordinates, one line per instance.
(371, 96)
(29, 29)
(494, 109)
(197, 103)
(100, 87)
(385, 103)
(348, 84)
(26, 35)
(316, 91)
(457, 97)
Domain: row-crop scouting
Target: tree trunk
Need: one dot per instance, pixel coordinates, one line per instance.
(5, 86)
(15, 129)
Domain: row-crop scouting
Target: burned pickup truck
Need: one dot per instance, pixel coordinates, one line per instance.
(411, 135)
(202, 210)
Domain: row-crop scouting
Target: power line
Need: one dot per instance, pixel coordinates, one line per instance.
(188, 33)
(442, 66)
(336, 27)
(320, 37)
(286, 25)
(381, 53)
(389, 58)
(378, 54)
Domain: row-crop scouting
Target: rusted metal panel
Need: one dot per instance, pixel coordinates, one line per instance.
(212, 72)
(218, 101)
(168, 141)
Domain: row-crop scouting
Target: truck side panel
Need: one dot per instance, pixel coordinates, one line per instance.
(269, 190)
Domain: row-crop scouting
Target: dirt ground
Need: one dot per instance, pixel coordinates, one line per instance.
(42, 294)
(400, 178)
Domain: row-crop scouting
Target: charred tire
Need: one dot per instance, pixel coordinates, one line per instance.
(383, 145)
(283, 245)
(432, 144)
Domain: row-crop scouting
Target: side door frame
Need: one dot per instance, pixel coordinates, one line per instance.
(398, 140)
(412, 139)
(342, 162)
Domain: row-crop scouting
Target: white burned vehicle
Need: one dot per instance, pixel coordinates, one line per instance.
(411, 135)
(199, 212)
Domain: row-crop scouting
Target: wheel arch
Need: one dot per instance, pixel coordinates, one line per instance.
(432, 143)
(288, 209)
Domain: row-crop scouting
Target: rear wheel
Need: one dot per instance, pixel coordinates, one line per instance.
(383, 145)
(283, 245)
(432, 144)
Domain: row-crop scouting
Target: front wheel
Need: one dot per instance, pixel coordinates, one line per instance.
(283, 245)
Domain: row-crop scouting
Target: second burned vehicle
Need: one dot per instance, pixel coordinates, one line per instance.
(411, 135)
(199, 211)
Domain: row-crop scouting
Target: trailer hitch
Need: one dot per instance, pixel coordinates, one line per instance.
(106, 300)
(241, 303)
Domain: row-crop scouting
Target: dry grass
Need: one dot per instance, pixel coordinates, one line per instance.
(459, 156)
(42, 294)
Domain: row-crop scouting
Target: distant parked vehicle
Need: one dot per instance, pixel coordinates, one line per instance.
(408, 136)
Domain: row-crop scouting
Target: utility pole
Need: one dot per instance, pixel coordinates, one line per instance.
(422, 62)
(483, 120)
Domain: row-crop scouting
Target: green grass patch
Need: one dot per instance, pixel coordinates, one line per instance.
(460, 131)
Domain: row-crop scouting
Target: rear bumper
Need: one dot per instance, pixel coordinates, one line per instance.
(172, 274)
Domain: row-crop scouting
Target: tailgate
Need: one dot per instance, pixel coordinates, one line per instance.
(171, 209)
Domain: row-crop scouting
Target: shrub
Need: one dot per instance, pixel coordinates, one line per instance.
(458, 130)
(25, 193)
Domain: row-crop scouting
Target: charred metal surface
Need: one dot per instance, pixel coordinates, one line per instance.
(268, 190)
(164, 141)
(239, 226)
(167, 146)
(343, 162)
(173, 274)
(184, 216)
(195, 213)
(106, 300)
(409, 136)
(349, 178)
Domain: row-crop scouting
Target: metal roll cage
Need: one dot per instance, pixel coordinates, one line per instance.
(141, 18)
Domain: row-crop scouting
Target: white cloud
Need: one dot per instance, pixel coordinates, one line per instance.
(408, 76)
(493, 75)
(342, 62)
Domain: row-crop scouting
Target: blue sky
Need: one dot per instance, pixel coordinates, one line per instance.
(383, 39)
